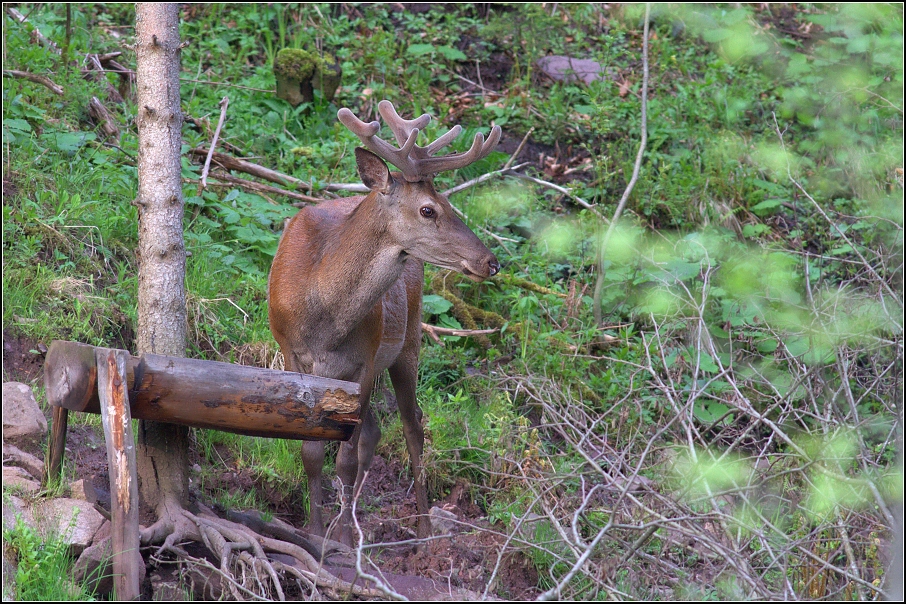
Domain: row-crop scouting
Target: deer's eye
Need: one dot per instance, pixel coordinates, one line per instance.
(427, 212)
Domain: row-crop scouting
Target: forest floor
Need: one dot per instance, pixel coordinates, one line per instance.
(387, 512)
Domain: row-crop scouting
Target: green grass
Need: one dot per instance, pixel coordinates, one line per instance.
(726, 284)
(43, 570)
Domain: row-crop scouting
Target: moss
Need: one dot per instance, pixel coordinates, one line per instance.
(300, 72)
(297, 64)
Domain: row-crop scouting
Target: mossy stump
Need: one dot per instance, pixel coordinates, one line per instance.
(300, 72)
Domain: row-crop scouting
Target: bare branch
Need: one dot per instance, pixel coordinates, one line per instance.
(36, 78)
(202, 184)
(505, 171)
(599, 284)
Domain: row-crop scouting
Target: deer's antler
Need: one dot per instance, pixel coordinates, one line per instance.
(415, 162)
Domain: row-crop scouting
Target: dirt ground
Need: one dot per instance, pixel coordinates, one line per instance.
(467, 559)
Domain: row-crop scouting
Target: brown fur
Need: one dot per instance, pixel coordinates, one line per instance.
(344, 296)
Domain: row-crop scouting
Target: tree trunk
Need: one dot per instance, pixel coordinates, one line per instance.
(162, 448)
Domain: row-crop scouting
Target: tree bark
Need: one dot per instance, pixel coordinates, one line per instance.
(162, 448)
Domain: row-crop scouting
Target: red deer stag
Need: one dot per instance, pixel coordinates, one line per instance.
(345, 289)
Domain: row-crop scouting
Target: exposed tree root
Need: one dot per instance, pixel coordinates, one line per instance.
(246, 570)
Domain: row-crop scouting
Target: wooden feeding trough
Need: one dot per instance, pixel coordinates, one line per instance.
(202, 394)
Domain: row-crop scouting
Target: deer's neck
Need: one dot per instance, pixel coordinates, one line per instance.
(359, 264)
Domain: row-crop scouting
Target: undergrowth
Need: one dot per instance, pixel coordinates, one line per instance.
(732, 430)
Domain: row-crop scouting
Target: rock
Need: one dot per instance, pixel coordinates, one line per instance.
(442, 521)
(568, 69)
(93, 569)
(14, 456)
(13, 506)
(23, 423)
(84, 490)
(74, 520)
(9, 576)
(19, 480)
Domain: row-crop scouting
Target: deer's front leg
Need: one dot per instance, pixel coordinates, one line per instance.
(313, 462)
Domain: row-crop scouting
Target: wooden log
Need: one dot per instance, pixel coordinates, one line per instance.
(210, 394)
(115, 416)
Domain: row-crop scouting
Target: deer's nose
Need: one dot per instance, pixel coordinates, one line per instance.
(493, 266)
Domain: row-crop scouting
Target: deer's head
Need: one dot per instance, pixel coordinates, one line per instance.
(420, 220)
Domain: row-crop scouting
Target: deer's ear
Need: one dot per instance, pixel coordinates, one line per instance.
(372, 170)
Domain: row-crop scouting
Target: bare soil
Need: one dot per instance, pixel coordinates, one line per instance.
(387, 512)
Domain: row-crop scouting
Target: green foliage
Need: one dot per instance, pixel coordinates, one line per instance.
(753, 291)
(43, 571)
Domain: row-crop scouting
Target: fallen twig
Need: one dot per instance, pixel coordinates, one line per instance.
(435, 332)
(109, 56)
(563, 190)
(202, 184)
(103, 117)
(205, 128)
(232, 163)
(35, 34)
(387, 590)
(518, 149)
(36, 78)
(257, 187)
(505, 171)
(833, 224)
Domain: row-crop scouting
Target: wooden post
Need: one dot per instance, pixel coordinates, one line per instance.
(117, 421)
(209, 394)
(57, 443)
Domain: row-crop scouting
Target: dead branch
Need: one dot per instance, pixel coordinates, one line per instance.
(35, 34)
(104, 58)
(435, 332)
(36, 78)
(202, 184)
(519, 148)
(257, 187)
(591, 208)
(387, 590)
(232, 163)
(882, 282)
(104, 118)
(505, 171)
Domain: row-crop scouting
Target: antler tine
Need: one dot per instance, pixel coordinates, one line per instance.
(367, 133)
(479, 149)
(441, 142)
(415, 162)
(401, 128)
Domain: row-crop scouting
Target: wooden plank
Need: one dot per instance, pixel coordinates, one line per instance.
(115, 416)
(210, 394)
